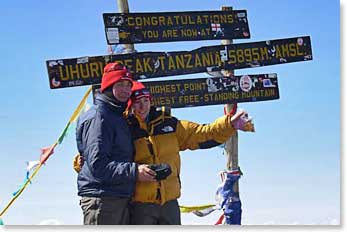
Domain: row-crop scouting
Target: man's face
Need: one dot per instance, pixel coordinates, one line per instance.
(122, 90)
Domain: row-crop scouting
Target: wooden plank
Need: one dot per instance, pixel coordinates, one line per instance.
(144, 65)
(212, 91)
(122, 28)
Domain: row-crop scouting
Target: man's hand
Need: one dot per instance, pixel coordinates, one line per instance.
(241, 121)
(144, 173)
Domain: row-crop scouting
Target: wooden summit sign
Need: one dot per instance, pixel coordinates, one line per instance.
(125, 28)
(211, 91)
(144, 65)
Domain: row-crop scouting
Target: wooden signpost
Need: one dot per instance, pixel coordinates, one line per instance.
(211, 91)
(129, 28)
(175, 26)
(145, 65)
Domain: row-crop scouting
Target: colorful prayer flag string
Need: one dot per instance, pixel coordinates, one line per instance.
(46, 152)
(227, 200)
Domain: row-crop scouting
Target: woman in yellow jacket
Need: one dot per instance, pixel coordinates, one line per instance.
(158, 138)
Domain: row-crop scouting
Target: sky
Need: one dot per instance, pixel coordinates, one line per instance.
(291, 164)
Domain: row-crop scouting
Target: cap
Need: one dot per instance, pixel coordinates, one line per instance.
(114, 72)
(138, 91)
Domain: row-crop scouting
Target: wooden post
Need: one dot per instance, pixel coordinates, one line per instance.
(123, 7)
(231, 145)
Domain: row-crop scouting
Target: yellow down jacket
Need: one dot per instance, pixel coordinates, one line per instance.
(161, 139)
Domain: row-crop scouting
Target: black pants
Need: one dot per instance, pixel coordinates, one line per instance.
(105, 210)
(154, 214)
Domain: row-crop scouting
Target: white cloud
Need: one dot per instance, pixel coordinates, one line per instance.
(294, 223)
(53, 222)
(334, 222)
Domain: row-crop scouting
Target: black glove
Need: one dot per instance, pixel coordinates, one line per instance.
(162, 170)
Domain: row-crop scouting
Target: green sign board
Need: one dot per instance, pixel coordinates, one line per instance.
(211, 91)
(144, 65)
(128, 28)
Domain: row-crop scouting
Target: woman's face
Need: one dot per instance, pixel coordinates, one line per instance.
(142, 107)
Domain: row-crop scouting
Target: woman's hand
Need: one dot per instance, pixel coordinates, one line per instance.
(241, 121)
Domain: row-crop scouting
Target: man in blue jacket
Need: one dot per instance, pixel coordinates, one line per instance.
(107, 179)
